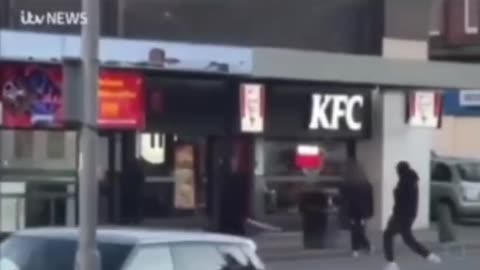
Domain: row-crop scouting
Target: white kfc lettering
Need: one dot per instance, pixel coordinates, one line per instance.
(342, 106)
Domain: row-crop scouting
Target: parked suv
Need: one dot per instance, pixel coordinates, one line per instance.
(455, 187)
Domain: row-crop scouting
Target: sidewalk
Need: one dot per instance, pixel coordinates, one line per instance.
(288, 245)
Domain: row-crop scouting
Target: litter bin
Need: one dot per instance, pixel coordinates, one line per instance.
(320, 219)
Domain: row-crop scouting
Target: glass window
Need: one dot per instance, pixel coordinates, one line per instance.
(151, 258)
(280, 158)
(469, 171)
(24, 144)
(240, 257)
(36, 253)
(197, 256)
(56, 144)
(253, 257)
(441, 172)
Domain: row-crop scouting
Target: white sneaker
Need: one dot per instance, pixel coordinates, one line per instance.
(355, 254)
(391, 266)
(434, 258)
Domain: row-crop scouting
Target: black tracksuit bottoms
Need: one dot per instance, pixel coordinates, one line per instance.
(404, 228)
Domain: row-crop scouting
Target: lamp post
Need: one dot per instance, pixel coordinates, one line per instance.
(87, 255)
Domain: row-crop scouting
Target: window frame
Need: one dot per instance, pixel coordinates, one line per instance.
(52, 135)
(19, 147)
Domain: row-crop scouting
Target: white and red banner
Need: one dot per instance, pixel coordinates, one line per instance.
(310, 157)
(424, 109)
(252, 107)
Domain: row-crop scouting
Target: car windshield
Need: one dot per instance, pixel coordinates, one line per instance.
(469, 171)
(37, 253)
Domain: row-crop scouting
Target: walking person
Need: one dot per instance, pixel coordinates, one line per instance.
(357, 194)
(133, 185)
(405, 210)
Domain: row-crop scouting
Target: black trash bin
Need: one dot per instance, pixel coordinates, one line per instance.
(320, 219)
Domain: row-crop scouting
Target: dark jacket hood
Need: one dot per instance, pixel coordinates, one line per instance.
(406, 173)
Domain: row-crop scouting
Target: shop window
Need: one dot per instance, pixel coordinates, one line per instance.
(24, 144)
(280, 158)
(285, 181)
(56, 145)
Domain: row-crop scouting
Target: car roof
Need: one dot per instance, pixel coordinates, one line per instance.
(136, 236)
(455, 160)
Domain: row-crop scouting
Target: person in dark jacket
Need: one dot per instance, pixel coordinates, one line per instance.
(358, 206)
(234, 208)
(132, 191)
(406, 196)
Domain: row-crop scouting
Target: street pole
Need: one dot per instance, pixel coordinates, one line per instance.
(87, 255)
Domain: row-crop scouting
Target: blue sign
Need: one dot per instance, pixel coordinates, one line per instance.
(457, 104)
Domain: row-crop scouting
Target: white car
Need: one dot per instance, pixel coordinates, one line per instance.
(129, 249)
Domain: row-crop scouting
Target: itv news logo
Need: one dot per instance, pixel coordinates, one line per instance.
(55, 18)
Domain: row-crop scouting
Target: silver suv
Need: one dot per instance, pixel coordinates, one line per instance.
(455, 187)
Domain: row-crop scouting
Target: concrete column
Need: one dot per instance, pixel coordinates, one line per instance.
(392, 140)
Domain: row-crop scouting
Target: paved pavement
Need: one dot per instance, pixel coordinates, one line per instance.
(288, 246)
(406, 261)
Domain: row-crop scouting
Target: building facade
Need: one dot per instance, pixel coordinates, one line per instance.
(181, 79)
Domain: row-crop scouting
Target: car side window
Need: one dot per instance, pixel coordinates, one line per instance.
(441, 172)
(234, 257)
(196, 256)
(156, 257)
(237, 257)
(253, 257)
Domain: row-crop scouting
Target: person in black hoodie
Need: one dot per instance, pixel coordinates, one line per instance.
(357, 195)
(404, 214)
(132, 191)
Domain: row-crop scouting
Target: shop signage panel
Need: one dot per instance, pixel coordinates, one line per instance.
(121, 99)
(189, 105)
(424, 109)
(342, 107)
(31, 96)
(252, 107)
(469, 98)
(318, 112)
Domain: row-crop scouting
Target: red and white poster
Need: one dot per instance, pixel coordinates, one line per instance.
(424, 109)
(31, 96)
(184, 174)
(310, 158)
(252, 107)
(121, 99)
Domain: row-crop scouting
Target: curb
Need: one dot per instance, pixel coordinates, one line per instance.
(270, 256)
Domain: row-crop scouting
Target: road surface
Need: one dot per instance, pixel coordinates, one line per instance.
(407, 261)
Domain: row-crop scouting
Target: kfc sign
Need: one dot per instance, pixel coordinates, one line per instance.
(330, 110)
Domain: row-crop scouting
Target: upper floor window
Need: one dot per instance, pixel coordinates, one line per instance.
(23, 144)
(56, 144)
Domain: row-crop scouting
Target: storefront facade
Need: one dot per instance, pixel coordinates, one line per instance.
(329, 117)
(196, 121)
